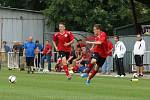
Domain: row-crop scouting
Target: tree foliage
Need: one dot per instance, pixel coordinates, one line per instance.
(83, 14)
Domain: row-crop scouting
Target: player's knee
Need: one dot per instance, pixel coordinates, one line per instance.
(93, 61)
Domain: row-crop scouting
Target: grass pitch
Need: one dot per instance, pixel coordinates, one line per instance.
(57, 87)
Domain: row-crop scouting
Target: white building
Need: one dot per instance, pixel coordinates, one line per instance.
(18, 24)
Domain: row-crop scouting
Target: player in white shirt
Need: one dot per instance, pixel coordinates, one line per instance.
(119, 52)
(138, 51)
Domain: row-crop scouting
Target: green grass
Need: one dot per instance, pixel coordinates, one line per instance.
(57, 87)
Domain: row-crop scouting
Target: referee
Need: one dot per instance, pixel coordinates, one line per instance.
(139, 49)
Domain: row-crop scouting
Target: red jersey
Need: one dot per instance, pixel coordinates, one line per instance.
(61, 39)
(110, 47)
(47, 48)
(80, 44)
(102, 49)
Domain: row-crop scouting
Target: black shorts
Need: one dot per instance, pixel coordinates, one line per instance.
(138, 60)
(99, 60)
(30, 61)
(64, 54)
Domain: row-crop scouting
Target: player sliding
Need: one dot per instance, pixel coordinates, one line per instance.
(62, 41)
(99, 55)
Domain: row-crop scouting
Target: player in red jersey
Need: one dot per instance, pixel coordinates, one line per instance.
(100, 52)
(62, 41)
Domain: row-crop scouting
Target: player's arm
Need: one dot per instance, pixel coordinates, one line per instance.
(55, 45)
(71, 39)
(95, 42)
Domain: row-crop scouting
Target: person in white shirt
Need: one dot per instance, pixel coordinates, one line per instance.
(138, 51)
(119, 52)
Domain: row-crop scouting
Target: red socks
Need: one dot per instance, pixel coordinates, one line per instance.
(89, 68)
(92, 74)
(65, 67)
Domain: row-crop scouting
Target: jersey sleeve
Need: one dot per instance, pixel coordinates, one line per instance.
(103, 37)
(71, 36)
(55, 37)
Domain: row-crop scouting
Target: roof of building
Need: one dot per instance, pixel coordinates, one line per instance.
(17, 9)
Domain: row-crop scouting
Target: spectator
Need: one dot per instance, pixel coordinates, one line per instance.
(139, 49)
(6, 47)
(38, 55)
(29, 48)
(119, 52)
(47, 53)
(80, 43)
(107, 65)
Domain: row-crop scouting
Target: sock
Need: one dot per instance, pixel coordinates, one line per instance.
(89, 68)
(65, 67)
(92, 74)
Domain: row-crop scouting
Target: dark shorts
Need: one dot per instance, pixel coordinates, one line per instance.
(138, 60)
(99, 60)
(64, 54)
(30, 61)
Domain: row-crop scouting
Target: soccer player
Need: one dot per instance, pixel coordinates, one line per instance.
(29, 48)
(100, 49)
(62, 41)
(139, 49)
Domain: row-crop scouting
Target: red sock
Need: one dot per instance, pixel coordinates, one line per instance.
(65, 67)
(90, 66)
(92, 74)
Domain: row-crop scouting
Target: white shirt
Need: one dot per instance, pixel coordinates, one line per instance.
(139, 48)
(120, 49)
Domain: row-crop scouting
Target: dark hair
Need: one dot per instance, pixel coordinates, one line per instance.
(117, 37)
(47, 40)
(98, 26)
(62, 23)
(80, 40)
(37, 41)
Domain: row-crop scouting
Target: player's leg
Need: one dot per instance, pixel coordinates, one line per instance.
(99, 62)
(65, 67)
(28, 64)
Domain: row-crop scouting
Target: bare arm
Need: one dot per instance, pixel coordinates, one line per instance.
(55, 45)
(95, 42)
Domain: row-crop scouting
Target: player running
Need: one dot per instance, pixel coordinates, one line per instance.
(100, 52)
(62, 41)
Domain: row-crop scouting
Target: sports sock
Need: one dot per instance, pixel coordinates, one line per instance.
(90, 66)
(92, 74)
(65, 67)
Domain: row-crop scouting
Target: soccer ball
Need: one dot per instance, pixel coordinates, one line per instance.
(12, 79)
(135, 75)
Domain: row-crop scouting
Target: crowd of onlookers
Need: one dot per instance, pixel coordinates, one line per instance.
(33, 54)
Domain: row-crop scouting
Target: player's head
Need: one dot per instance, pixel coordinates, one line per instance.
(138, 37)
(30, 38)
(47, 41)
(97, 28)
(116, 38)
(62, 27)
(80, 40)
(78, 49)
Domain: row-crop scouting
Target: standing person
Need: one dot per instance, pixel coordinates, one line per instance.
(47, 53)
(119, 52)
(62, 41)
(38, 55)
(139, 49)
(107, 65)
(29, 48)
(100, 49)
